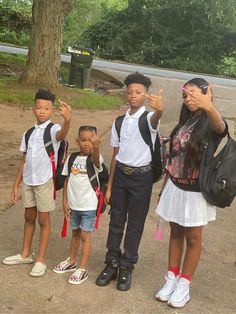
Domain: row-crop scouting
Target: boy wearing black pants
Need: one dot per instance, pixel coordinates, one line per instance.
(130, 182)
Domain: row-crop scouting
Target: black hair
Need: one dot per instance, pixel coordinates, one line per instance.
(198, 135)
(87, 128)
(200, 82)
(45, 94)
(137, 78)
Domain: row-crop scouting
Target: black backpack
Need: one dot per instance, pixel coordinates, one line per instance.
(217, 177)
(98, 184)
(61, 155)
(159, 153)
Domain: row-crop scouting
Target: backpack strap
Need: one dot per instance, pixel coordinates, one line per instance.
(144, 130)
(47, 139)
(143, 127)
(70, 161)
(91, 173)
(96, 186)
(118, 123)
(27, 136)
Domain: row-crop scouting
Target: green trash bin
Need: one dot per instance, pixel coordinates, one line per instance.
(80, 66)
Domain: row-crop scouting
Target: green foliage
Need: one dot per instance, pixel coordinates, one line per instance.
(15, 21)
(195, 35)
(84, 14)
(189, 35)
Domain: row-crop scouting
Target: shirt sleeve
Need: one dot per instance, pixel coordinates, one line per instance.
(23, 145)
(114, 136)
(65, 168)
(55, 128)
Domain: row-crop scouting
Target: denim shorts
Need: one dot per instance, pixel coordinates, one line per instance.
(84, 220)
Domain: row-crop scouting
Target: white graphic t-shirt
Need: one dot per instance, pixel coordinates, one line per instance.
(81, 195)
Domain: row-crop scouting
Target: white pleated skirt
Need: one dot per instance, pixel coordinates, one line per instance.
(186, 208)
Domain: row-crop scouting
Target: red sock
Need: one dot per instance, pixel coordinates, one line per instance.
(175, 270)
(186, 277)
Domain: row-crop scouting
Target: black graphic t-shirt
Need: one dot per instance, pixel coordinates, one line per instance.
(189, 180)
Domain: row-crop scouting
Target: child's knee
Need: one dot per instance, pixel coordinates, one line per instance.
(31, 215)
(75, 233)
(193, 240)
(44, 219)
(85, 236)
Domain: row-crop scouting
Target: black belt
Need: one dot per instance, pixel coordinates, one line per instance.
(131, 170)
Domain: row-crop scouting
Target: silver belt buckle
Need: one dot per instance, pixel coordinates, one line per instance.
(128, 170)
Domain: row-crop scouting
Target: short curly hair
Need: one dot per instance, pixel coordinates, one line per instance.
(137, 78)
(45, 94)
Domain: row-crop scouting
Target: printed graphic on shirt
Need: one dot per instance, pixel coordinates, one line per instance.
(178, 154)
(79, 167)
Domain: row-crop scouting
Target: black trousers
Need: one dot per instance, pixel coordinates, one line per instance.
(131, 195)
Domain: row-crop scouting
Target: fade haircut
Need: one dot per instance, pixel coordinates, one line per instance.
(87, 128)
(45, 94)
(137, 78)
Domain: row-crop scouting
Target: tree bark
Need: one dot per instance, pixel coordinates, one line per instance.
(43, 62)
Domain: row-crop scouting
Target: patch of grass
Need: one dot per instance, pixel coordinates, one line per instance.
(12, 92)
(19, 60)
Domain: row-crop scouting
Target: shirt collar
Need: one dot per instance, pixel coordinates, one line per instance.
(136, 115)
(42, 126)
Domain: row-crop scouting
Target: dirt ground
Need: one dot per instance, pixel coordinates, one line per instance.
(214, 285)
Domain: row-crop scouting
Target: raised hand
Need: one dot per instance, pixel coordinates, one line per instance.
(65, 110)
(198, 99)
(96, 140)
(155, 100)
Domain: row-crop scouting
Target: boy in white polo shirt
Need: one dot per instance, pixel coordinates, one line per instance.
(130, 182)
(36, 171)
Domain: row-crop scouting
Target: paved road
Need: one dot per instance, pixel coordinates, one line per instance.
(119, 66)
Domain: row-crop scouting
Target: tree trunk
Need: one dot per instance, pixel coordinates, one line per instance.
(43, 62)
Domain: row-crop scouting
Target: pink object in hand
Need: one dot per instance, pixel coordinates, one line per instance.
(159, 233)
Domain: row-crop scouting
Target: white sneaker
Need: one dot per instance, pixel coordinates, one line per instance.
(17, 260)
(65, 267)
(180, 296)
(164, 294)
(79, 276)
(38, 270)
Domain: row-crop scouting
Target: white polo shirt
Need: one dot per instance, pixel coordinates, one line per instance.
(133, 151)
(38, 167)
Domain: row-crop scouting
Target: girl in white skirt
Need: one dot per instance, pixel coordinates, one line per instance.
(181, 202)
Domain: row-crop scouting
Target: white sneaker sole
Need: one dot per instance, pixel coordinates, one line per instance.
(63, 271)
(17, 261)
(180, 304)
(158, 298)
(77, 282)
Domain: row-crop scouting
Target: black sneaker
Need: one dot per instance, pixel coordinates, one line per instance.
(108, 274)
(124, 279)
